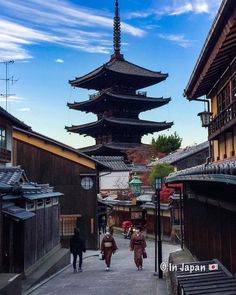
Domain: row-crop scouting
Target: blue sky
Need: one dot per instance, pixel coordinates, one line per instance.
(56, 41)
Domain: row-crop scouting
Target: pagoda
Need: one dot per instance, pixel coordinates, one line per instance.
(118, 102)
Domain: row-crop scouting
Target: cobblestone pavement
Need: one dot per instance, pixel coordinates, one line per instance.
(122, 279)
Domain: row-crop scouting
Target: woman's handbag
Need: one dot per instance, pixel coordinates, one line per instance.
(101, 256)
(144, 254)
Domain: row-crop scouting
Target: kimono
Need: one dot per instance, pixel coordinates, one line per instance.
(108, 246)
(138, 245)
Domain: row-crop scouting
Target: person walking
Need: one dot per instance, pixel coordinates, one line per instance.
(77, 247)
(138, 245)
(108, 247)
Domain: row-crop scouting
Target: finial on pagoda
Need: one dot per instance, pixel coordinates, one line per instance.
(117, 33)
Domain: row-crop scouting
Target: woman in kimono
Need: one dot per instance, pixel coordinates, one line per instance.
(138, 245)
(108, 247)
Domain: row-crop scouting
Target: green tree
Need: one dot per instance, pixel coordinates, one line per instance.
(167, 144)
(160, 170)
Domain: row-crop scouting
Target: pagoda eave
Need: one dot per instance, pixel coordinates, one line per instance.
(144, 127)
(101, 102)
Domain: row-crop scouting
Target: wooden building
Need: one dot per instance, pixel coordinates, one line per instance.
(210, 189)
(187, 157)
(30, 220)
(118, 102)
(6, 125)
(70, 172)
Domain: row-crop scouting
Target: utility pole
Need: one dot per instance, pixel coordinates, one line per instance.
(7, 79)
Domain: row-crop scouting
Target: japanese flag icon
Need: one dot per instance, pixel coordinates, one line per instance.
(213, 266)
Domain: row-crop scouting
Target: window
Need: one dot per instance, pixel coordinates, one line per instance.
(55, 201)
(48, 202)
(40, 203)
(2, 137)
(30, 206)
(234, 88)
(223, 98)
(87, 183)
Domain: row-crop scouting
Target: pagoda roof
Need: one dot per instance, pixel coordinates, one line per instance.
(142, 102)
(118, 69)
(112, 148)
(144, 126)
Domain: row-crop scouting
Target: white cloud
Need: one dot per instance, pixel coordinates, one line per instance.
(23, 109)
(11, 98)
(179, 7)
(52, 22)
(59, 60)
(177, 39)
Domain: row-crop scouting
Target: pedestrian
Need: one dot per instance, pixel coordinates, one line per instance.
(103, 224)
(110, 223)
(77, 247)
(138, 245)
(108, 247)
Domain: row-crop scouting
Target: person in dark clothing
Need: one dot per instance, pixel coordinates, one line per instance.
(77, 247)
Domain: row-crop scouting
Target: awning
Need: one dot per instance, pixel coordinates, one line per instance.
(41, 196)
(18, 213)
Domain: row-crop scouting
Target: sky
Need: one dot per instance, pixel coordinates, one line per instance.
(52, 42)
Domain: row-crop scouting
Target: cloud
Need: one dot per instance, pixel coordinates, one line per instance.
(59, 60)
(11, 98)
(179, 7)
(177, 39)
(23, 109)
(64, 24)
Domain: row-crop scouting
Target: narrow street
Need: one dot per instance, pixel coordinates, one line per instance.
(122, 279)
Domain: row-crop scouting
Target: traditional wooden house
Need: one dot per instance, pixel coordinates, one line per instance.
(70, 172)
(118, 102)
(117, 179)
(30, 220)
(187, 157)
(210, 189)
(6, 124)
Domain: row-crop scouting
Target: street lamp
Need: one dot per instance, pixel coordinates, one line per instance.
(158, 187)
(135, 185)
(205, 118)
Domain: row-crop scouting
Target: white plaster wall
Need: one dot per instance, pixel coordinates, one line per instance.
(114, 180)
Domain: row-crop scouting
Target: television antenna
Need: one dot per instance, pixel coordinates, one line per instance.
(7, 80)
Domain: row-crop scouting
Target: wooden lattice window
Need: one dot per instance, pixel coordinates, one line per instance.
(67, 224)
(223, 98)
(234, 88)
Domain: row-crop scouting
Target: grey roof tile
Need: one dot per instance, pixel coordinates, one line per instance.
(182, 153)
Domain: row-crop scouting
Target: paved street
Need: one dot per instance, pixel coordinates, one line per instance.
(122, 279)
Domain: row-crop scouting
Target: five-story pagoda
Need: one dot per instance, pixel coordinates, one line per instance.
(118, 102)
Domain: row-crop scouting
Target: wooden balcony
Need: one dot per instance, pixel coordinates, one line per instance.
(223, 121)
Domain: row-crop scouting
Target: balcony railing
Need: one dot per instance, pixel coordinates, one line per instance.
(223, 119)
(5, 155)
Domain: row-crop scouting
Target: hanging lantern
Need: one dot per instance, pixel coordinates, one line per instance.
(205, 118)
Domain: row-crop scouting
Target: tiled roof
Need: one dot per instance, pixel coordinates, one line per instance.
(116, 163)
(15, 122)
(14, 181)
(182, 153)
(120, 67)
(224, 170)
(150, 125)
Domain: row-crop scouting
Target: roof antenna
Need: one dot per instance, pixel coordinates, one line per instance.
(7, 79)
(117, 33)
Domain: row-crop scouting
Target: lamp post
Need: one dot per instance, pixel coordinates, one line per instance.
(135, 185)
(205, 118)
(158, 187)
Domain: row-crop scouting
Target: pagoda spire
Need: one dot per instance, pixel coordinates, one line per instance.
(117, 32)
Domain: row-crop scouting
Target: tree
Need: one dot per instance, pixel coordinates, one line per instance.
(161, 170)
(167, 144)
